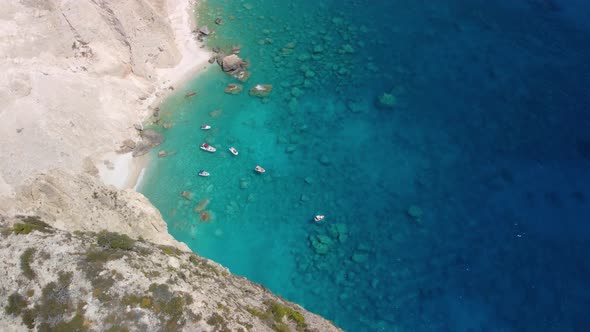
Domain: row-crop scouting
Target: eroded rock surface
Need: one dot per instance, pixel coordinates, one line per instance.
(81, 202)
(87, 281)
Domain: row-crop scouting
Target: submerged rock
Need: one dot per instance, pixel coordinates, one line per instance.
(386, 100)
(415, 213)
(261, 90)
(233, 88)
(152, 138)
(359, 257)
(324, 160)
(244, 183)
(321, 244)
(347, 49)
(355, 106)
(296, 92)
(318, 49)
(290, 148)
(338, 231)
(215, 114)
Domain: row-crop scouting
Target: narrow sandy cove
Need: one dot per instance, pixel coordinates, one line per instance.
(122, 170)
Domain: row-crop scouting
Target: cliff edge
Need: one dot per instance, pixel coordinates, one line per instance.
(106, 281)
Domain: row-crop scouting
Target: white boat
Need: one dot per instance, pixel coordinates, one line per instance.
(259, 169)
(319, 217)
(233, 151)
(203, 173)
(207, 147)
(205, 127)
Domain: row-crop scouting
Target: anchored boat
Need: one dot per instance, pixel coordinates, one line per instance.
(207, 147)
(319, 217)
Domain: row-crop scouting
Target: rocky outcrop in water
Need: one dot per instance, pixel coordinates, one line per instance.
(234, 65)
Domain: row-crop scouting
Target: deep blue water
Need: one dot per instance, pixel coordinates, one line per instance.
(488, 139)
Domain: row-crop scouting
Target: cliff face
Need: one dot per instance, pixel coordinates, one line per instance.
(75, 77)
(106, 281)
(83, 203)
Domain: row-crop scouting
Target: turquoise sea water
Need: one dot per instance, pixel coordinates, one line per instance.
(465, 207)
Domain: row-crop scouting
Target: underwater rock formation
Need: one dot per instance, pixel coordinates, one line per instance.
(260, 90)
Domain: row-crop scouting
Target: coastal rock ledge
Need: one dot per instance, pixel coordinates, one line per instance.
(89, 281)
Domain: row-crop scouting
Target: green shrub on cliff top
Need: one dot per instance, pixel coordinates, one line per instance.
(29, 224)
(279, 311)
(16, 304)
(25, 263)
(115, 240)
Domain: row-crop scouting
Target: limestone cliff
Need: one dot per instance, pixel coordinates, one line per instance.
(76, 75)
(82, 203)
(86, 281)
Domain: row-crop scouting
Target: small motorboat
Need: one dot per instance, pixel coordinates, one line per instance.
(205, 127)
(259, 169)
(318, 218)
(233, 151)
(203, 173)
(190, 94)
(207, 147)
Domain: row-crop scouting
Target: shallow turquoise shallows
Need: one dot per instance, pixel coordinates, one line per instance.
(447, 143)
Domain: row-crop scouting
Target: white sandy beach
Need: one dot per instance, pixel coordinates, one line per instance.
(78, 75)
(125, 170)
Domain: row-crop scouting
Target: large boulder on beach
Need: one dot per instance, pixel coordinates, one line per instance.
(151, 138)
(204, 30)
(140, 149)
(127, 146)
